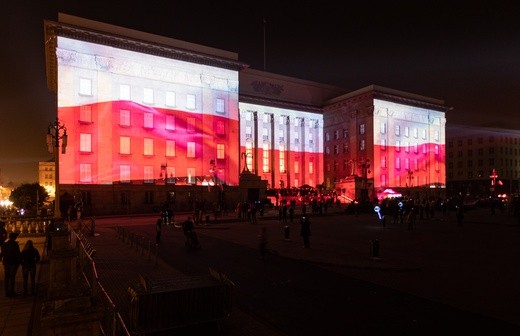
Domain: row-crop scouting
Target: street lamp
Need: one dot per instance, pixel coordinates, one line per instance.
(56, 132)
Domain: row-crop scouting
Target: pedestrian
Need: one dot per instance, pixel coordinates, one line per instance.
(158, 229)
(262, 242)
(305, 231)
(11, 259)
(411, 219)
(30, 257)
(3, 236)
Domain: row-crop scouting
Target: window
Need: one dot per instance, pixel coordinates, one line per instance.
(336, 135)
(296, 167)
(148, 96)
(362, 129)
(249, 132)
(297, 138)
(407, 147)
(148, 146)
(248, 116)
(281, 120)
(265, 158)
(266, 118)
(85, 87)
(335, 149)
(221, 151)
(190, 150)
(191, 177)
(397, 145)
(220, 106)
(362, 145)
(170, 174)
(148, 197)
(406, 131)
(190, 124)
(383, 161)
(148, 120)
(85, 114)
(170, 122)
(327, 136)
(397, 163)
(383, 144)
(311, 140)
(397, 130)
(415, 133)
(170, 148)
(436, 149)
(124, 173)
(311, 168)
(383, 128)
(124, 145)
(85, 172)
(423, 133)
(190, 102)
(124, 92)
(436, 135)
(345, 134)
(282, 158)
(425, 148)
(416, 148)
(220, 128)
(85, 142)
(124, 117)
(148, 174)
(345, 148)
(170, 99)
(407, 163)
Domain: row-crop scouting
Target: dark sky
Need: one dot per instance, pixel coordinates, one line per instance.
(464, 53)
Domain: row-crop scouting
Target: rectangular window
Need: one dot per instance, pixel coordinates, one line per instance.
(336, 135)
(248, 115)
(221, 153)
(296, 167)
(311, 168)
(170, 174)
(416, 148)
(249, 132)
(190, 124)
(406, 163)
(281, 120)
(170, 122)
(148, 120)
(124, 145)
(85, 142)
(383, 128)
(282, 158)
(362, 129)
(124, 173)
(407, 147)
(266, 118)
(190, 102)
(397, 145)
(397, 163)
(383, 144)
(362, 145)
(406, 131)
(124, 92)
(345, 134)
(220, 128)
(170, 148)
(148, 174)
(327, 136)
(148, 146)
(148, 96)
(170, 99)
(383, 161)
(191, 176)
(124, 117)
(397, 130)
(85, 86)
(220, 108)
(424, 133)
(85, 113)
(190, 150)
(265, 158)
(436, 148)
(415, 133)
(85, 172)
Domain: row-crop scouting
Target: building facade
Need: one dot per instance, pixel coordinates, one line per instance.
(482, 161)
(154, 121)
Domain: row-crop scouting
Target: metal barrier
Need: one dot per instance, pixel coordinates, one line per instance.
(112, 323)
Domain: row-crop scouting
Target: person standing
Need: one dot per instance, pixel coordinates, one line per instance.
(3, 236)
(305, 231)
(158, 229)
(11, 259)
(30, 257)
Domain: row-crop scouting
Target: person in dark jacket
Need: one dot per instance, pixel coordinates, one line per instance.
(305, 231)
(11, 259)
(30, 257)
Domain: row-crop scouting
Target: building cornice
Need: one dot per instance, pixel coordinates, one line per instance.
(280, 104)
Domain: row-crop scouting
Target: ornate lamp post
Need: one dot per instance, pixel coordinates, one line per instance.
(56, 132)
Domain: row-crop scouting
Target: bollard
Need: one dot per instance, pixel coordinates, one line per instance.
(286, 231)
(374, 248)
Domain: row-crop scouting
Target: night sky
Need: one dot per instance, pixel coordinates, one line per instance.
(466, 54)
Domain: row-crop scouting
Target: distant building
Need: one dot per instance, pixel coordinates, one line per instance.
(46, 177)
(482, 161)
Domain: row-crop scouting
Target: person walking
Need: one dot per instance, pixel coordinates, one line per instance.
(11, 256)
(30, 257)
(305, 231)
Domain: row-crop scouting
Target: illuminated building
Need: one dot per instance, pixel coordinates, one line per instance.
(46, 177)
(378, 138)
(474, 152)
(153, 122)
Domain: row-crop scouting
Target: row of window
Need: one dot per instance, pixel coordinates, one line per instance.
(383, 130)
(349, 164)
(148, 96)
(282, 120)
(480, 163)
(398, 147)
(148, 146)
(266, 162)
